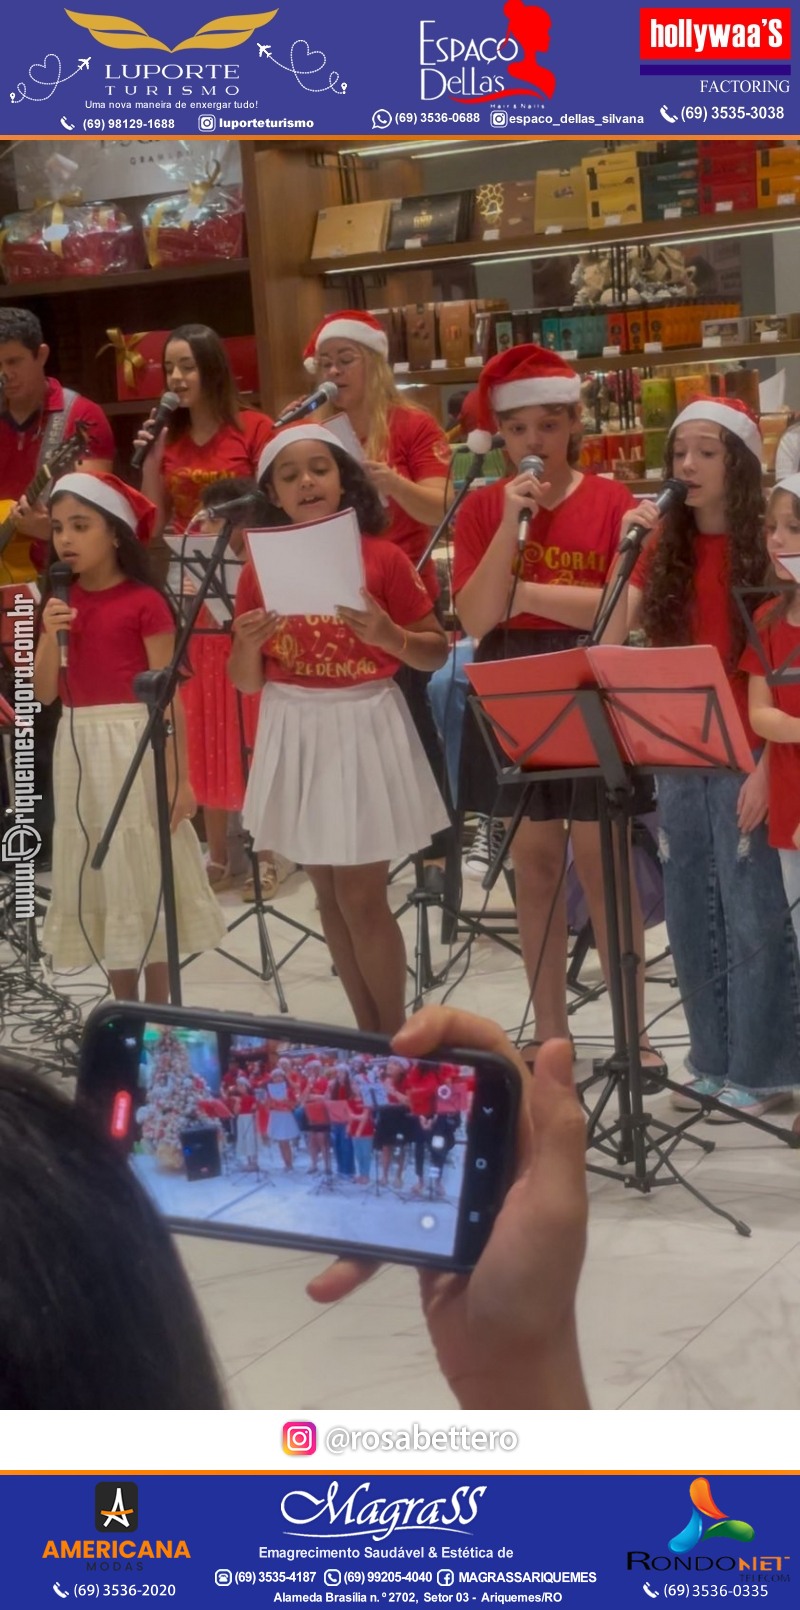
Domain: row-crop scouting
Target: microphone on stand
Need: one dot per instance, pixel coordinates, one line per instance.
(327, 392)
(531, 465)
(166, 408)
(479, 443)
(673, 493)
(59, 577)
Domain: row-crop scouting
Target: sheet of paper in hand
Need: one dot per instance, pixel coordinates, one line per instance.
(309, 569)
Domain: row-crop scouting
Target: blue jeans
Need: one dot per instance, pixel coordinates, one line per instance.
(342, 1150)
(448, 691)
(790, 872)
(726, 909)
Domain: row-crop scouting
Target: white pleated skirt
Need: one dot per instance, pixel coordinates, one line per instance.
(116, 910)
(340, 777)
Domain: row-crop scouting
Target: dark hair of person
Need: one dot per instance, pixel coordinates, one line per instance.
(553, 410)
(358, 494)
(669, 589)
(232, 487)
(96, 1311)
(17, 324)
(216, 377)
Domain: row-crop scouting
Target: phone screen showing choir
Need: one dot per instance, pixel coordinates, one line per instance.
(271, 1136)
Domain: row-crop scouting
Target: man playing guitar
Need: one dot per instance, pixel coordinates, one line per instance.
(36, 417)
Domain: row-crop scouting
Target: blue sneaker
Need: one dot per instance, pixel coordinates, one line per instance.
(685, 1099)
(747, 1104)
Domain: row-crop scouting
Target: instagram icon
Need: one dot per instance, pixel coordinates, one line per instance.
(300, 1438)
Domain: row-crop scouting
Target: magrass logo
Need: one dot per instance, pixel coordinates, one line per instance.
(116, 1506)
(697, 1529)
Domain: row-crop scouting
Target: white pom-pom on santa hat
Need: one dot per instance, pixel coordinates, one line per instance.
(730, 413)
(348, 325)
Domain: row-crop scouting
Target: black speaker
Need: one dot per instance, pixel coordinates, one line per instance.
(201, 1157)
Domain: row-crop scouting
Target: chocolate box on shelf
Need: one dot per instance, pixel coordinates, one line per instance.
(430, 220)
(504, 211)
(346, 231)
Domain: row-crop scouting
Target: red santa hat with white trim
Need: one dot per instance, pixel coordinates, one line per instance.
(112, 496)
(348, 325)
(728, 412)
(523, 377)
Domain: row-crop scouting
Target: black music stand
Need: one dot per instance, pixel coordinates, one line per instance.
(609, 715)
(195, 560)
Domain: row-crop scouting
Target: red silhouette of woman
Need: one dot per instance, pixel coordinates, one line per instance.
(530, 27)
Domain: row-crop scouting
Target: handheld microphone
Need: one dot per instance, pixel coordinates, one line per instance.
(59, 577)
(673, 493)
(166, 408)
(221, 511)
(531, 465)
(327, 392)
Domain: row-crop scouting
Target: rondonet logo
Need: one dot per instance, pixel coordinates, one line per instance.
(361, 1515)
(746, 34)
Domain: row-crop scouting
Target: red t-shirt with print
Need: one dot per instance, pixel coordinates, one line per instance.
(317, 650)
(232, 452)
(573, 544)
(419, 450)
(779, 639)
(107, 641)
(710, 618)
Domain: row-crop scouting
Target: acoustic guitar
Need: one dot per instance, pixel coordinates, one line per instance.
(15, 556)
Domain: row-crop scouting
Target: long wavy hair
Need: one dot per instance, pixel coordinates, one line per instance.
(670, 586)
(358, 494)
(381, 395)
(216, 377)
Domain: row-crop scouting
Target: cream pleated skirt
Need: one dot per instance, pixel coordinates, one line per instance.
(339, 777)
(116, 911)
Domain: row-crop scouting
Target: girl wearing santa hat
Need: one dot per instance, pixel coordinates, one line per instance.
(405, 454)
(119, 624)
(339, 781)
(209, 438)
(540, 600)
(726, 910)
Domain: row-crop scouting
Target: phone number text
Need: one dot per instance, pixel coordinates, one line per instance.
(100, 124)
(120, 1590)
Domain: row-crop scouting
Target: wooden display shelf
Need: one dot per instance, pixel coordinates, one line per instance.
(141, 276)
(623, 360)
(764, 221)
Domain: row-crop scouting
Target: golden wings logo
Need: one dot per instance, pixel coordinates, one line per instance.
(224, 33)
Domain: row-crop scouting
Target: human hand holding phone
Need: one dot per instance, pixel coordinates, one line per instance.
(505, 1335)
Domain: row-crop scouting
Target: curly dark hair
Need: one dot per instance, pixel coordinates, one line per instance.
(669, 589)
(358, 494)
(786, 591)
(19, 324)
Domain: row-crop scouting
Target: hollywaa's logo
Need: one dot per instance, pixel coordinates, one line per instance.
(361, 1515)
(224, 33)
(527, 37)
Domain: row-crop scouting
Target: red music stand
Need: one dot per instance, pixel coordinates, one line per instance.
(609, 714)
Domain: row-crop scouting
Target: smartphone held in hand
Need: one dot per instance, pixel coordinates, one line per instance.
(293, 1134)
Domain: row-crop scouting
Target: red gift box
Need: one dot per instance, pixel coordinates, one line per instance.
(199, 226)
(139, 362)
(243, 359)
(726, 195)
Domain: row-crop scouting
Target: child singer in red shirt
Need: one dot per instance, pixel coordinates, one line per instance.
(339, 782)
(538, 602)
(119, 624)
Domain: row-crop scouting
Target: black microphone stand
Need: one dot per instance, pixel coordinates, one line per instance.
(156, 689)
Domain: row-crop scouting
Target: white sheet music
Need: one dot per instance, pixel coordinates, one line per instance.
(309, 569)
(188, 567)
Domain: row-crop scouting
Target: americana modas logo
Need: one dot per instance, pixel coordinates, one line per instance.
(223, 33)
(116, 1507)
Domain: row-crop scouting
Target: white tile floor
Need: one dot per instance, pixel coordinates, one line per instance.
(676, 1309)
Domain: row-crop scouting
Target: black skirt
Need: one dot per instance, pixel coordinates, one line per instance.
(549, 800)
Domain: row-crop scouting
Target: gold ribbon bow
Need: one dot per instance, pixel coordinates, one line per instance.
(197, 192)
(124, 347)
(74, 199)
